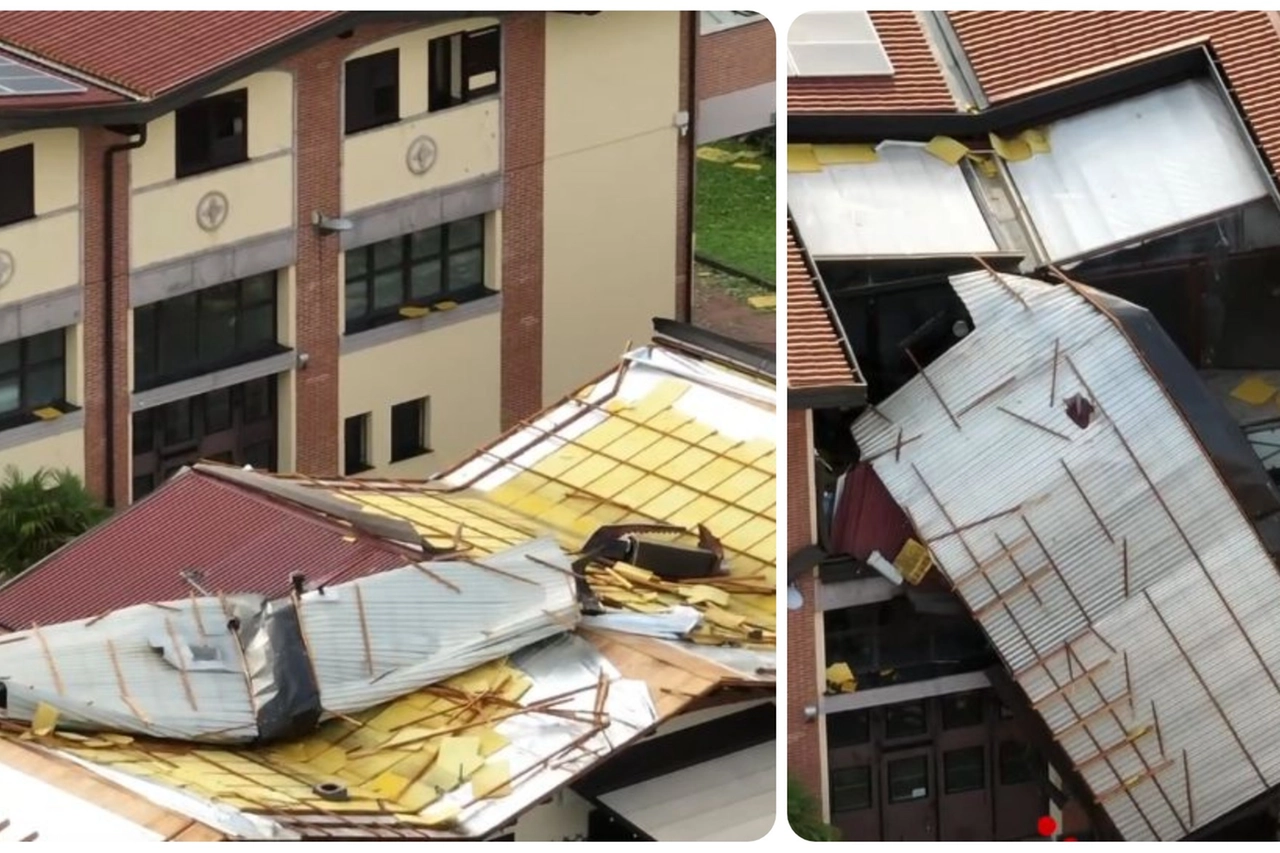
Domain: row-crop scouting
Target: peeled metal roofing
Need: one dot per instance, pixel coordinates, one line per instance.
(1111, 566)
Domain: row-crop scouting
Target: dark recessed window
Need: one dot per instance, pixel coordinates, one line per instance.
(355, 443)
(409, 424)
(373, 91)
(33, 375)
(908, 779)
(964, 770)
(848, 728)
(1019, 763)
(442, 264)
(850, 789)
(463, 67)
(18, 183)
(962, 710)
(213, 133)
(906, 720)
(204, 331)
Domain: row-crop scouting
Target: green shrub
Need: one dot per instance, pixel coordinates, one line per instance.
(41, 512)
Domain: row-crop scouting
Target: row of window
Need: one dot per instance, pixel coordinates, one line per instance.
(410, 435)
(909, 719)
(213, 132)
(908, 779)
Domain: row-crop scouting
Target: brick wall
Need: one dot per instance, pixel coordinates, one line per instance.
(684, 187)
(524, 141)
(804, 746)
(736, 59)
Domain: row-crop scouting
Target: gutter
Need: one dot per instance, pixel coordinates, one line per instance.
(691, 177)
(108, 290)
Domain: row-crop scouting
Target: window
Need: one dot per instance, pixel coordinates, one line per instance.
(1019, 763)
(439, 264)
(409, 428)
(213, 133)
(463, 67)
(848, 728)
(355, 442)
(908, 779)
(907, 720)
(17, 176)
(836, 44)
(962, 710)
(33, 375)
(203, 331)
(373, 91)
(964, 770)
(850, 789)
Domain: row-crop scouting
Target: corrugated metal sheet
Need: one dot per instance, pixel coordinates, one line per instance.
(1110, 565)
(1017, 52)
(1137, 167)
(815, 354)
(907, 202)
(917, 84)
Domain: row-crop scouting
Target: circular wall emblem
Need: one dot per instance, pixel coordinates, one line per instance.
(7, 266)
(212, 210)
(421, 155)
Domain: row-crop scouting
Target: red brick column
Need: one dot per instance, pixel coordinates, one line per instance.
(804, 745)
(524, 143)
(736, 59)
(97, 372)
(684, 187)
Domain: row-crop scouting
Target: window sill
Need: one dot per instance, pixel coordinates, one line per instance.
(371, 127)
(428, 113)
(10, 222)
(356, 470)
(354, 340)
(432, 309)
(30, 418)
(202, 370)
(182, 174)
(425, 451)
(18, 430)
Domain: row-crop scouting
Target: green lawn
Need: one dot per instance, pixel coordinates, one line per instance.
(737, 213)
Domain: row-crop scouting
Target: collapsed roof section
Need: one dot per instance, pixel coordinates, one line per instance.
(1094, 508)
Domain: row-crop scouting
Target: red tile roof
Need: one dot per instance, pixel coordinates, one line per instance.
(240, 541)
(867, 518)
(917, 84)
(150, 53)
(816, 357)
(1014, 53)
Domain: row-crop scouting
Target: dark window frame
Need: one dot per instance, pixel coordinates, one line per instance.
(371, 91)
(1018, 762)
(842, 792)
(27, 364)
(407, 262)
(357, 429)
(149, 372)
(18, 177)
(198, 125)
(403, 448)
(453, 60)
(965, 752)
(891, 764)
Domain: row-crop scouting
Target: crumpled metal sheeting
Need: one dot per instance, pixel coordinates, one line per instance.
(106, 674)
(389, 634)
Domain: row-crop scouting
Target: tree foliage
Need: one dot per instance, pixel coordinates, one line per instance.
(805, 814)
(41, 512)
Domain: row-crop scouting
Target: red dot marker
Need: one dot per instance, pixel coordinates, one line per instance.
(1070, 838)
(1047, 826)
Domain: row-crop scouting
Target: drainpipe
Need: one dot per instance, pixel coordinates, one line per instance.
(692, 177)
(138, 134)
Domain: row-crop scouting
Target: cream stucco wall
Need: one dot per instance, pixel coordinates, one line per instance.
(46, 250)
(374, 167)
(457, 366)
(260, 191)
(612, 94)
(57, 451)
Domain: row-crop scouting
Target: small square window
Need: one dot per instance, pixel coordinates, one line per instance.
(850, 789)
(409, 428)
(372, 95)
(17, 176)
(212, 133)
(356, 444)
(964, 770)
(463, 67)
(848, 728)
(908, 720)
(908, 779)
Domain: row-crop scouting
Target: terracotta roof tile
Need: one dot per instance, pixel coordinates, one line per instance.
(815, 355)
(150, 53)
(1014, 53)
(239, 541)
(917, 84)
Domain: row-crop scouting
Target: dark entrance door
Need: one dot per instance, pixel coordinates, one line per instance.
(910, 787)
(964, 785)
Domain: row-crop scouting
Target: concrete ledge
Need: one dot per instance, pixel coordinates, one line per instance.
(27, 433)
(242, 259)
(904, 692)
(422, 211)
(278, 363)
(420, 325)
(54, 310)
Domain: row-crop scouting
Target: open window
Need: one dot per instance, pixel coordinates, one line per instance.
(372, 94)
(17, 177)
(463, 67)
(213, 133)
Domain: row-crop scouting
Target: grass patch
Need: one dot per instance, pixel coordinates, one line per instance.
(737, 213)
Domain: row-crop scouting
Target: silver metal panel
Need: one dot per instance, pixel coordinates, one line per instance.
(736, 113)
(246, 258)
(1196, 624)
(278, 363)
(18, 436)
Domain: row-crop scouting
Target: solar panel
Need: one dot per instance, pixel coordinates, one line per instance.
(836, 44)
(19, 79)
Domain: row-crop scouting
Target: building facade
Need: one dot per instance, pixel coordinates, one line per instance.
(346, 243)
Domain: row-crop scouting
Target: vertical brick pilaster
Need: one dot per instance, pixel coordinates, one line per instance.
(684, 187)
(524, 46)
(804, 742)
(99, 371)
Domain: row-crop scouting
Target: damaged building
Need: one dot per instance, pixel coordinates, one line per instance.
(568, 636)
(1040, 550)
